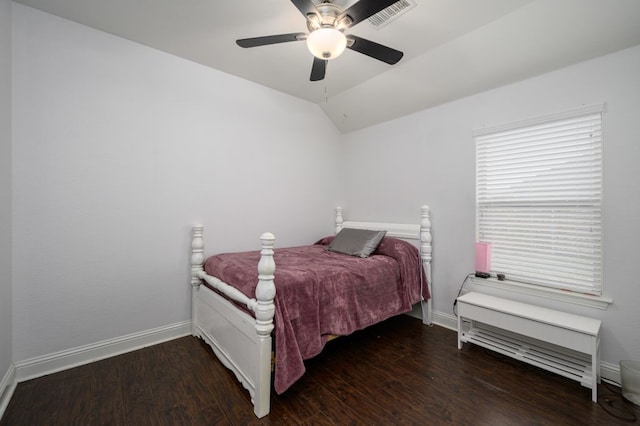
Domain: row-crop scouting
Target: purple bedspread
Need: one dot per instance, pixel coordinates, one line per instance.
(320, 293)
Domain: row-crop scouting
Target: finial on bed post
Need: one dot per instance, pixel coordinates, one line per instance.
(197, 255)
(339, 219)
(426, 250)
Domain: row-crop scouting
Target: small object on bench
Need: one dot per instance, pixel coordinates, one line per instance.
(560, 342)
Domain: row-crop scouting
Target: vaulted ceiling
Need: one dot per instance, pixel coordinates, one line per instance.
(452, 48)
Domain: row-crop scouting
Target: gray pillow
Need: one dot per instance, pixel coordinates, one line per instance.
(356, 242)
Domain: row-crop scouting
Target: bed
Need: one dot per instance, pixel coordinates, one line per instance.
(238, 322)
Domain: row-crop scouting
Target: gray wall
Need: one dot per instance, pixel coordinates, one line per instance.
(6, 339)
(428, 157)
(118, 150)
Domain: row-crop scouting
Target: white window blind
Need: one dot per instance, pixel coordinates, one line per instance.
(539, 199)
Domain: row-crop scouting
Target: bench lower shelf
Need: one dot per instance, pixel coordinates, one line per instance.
(570, 364)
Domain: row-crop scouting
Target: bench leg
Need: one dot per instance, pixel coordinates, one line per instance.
(459, 332)
(595, 367)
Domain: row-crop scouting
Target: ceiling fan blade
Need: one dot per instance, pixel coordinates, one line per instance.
(305, 6)
(364, 9)
(374, 50)
(318, 69)
(272, 39)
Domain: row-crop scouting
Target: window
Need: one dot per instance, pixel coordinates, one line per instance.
(539, 199)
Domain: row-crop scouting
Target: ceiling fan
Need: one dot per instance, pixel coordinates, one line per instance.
(326, 39)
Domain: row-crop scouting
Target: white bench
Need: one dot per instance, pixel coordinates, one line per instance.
(563, 343)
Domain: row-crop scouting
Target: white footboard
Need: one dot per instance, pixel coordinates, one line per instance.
(240, 341)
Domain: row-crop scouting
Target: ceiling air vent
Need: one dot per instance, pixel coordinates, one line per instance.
(391, 13)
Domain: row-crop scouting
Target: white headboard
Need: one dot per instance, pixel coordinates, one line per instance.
(420, 232)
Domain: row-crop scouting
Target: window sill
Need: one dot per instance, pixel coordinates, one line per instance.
(599, 302)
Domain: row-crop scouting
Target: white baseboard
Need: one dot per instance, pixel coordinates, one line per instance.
(438, 318)
(610, 372)
(7, 386)
(74, 357)
(445, 320)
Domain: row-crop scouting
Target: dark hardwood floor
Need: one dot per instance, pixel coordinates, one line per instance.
(398, 372)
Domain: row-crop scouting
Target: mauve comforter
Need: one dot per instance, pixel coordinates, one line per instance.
(320, 293)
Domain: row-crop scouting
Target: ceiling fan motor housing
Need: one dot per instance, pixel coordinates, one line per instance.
(327, 17)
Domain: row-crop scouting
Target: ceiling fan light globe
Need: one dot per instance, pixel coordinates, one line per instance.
(326, 43)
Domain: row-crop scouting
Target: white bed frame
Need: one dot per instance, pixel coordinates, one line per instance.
(242, 342)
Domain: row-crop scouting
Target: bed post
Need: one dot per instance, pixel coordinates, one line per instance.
(197, 259)
(264, 312)
(339, 219)
(425, 251)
